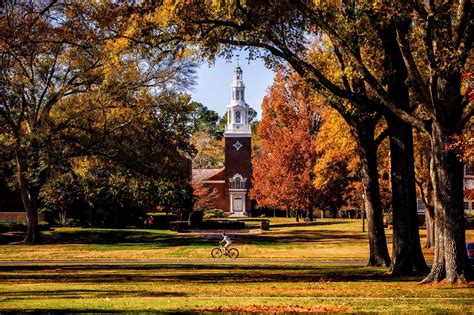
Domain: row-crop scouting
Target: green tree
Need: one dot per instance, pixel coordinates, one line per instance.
(59, 193)
(205, 119)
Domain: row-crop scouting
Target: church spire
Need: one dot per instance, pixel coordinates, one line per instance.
(237, 111)
(238, 86)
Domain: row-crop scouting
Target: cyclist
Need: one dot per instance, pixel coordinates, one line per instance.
(227, 241)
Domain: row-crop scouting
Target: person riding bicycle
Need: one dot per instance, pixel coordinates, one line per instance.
(227, 241)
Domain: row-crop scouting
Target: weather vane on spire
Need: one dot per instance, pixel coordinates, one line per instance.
(237, 56)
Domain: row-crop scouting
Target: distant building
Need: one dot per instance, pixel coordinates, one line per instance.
(469, 188)
(468, 191)
(232, 183)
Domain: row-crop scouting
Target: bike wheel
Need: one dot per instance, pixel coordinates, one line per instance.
(233, 253)
(216, 252)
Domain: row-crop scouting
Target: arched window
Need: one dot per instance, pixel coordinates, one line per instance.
(242, 95)
(238, 95)
(237, 117)
(237, 182)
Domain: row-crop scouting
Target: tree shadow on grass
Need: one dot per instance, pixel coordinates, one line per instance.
(92, 293)
(305, 224)
(121, 238)
(10, 237)
(133, 238)
(194, 274)
(128, 238)
(299, 237)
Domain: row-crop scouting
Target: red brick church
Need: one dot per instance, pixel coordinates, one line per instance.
(233, 182)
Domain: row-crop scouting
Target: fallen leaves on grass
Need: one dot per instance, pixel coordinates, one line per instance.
(275, 309)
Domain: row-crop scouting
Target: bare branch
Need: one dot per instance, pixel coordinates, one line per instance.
(46, 9)
(46, 87)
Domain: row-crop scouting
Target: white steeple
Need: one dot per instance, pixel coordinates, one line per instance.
(237, 111)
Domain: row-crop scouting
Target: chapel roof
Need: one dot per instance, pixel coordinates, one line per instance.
(203, 174)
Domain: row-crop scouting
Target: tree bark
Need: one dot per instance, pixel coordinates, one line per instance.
(407, 256)
(32, 231)
(450, 259)
(430, 228)
(62, 216)
(364, 133)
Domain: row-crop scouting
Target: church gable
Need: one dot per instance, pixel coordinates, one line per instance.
(202, 175)
(218, 176)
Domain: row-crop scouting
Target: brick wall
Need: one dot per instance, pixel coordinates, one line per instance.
(18, 217)
(219, 201)
(238, 161)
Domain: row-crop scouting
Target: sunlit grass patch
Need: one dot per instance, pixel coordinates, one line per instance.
(238, 287)
(277, 271)
(325, 239)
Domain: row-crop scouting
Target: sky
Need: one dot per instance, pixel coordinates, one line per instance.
(213, 84)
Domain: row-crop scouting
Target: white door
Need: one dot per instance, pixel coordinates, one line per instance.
(238, 204)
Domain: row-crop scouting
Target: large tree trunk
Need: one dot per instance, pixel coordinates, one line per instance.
(364, 134)
(29, 203)
(407, 256)
(430, 227)
(450, 259)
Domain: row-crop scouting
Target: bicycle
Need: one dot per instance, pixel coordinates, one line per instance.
(221, 250)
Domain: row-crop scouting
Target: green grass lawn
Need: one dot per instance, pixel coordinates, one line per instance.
(277, 272)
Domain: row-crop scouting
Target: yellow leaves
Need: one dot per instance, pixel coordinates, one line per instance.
(210, 151)
(82, 165)
(334, 143)
(377, 5)
(186, 53)
(168, 10)
(6, 139)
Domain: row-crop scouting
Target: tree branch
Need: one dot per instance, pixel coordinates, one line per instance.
(387, 101)
(429, 28)
(48, 82)
(338, 54)
(467, 113)
(381, 137)
(46, 9)
(414, 76)
(462, 21)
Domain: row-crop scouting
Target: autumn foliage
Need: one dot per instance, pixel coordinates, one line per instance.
(283, 167)
(337, 167)
(307, 158)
